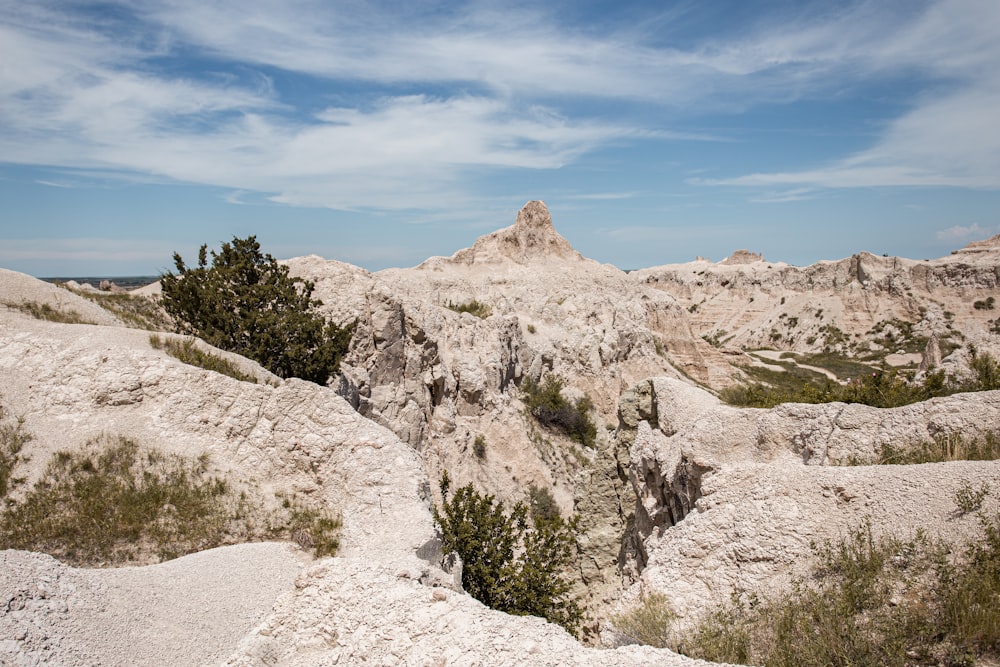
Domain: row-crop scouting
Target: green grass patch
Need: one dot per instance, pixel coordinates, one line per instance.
(473, 307)
(43, 311)
(186, 351)
(839, 365)
(114, 502)
(111, 502)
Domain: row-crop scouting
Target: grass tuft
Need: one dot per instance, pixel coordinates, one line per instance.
(649, 622)
(139, 312)
(186, 351)
(475, 308)
(112, 501)
(13, 437)
(43, 311)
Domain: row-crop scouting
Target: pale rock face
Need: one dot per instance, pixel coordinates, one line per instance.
(730, 499)
(440, 379)
(745, 302)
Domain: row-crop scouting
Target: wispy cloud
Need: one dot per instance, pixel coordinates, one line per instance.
(415, 100)
(965, 233)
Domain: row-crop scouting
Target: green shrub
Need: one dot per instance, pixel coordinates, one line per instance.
(547, 404)
(187, 352)
(508, 562)
(475, 308)
(248, 304)
(988, 304)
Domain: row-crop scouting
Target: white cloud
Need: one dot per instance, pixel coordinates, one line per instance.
(74, 95)
(969, 233)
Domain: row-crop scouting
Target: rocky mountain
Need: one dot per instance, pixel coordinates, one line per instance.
(678, 493)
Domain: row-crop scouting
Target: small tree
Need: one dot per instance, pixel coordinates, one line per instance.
(247, 303)
(507, 563)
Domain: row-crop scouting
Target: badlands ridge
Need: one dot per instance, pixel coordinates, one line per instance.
(681, 494)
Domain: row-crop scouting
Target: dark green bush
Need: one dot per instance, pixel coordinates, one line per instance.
(247, 303)
(547, 404)
(511, 562)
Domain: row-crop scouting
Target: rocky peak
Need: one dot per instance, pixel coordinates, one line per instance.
(531, 239)
(743, 257)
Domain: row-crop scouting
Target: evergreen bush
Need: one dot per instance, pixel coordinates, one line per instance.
(247, 303)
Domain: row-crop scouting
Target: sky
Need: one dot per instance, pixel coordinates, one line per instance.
(383, 133)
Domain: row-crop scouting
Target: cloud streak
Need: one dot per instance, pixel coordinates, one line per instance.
(417, 104)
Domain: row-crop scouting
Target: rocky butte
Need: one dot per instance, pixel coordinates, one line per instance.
(679, 493)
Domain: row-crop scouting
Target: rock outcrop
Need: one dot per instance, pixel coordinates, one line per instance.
(730, 500)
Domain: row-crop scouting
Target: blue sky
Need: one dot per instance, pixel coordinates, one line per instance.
(381, 133)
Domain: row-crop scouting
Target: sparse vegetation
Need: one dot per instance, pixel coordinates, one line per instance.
(313, 529)
(111, 501)
(871, 600)
(247, 303)
(473, 307)
(512, 562)
(987, 304)
(648, 622)
(545, 401)
(114, 501)
(531, 328)
(186, 351)
(882, 388)
(13, 437)
(479, 447)
(135, 310)
(946, 448)
(968, 499)
(43, 311)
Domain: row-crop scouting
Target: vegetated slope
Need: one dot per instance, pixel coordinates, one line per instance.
(738, 513)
